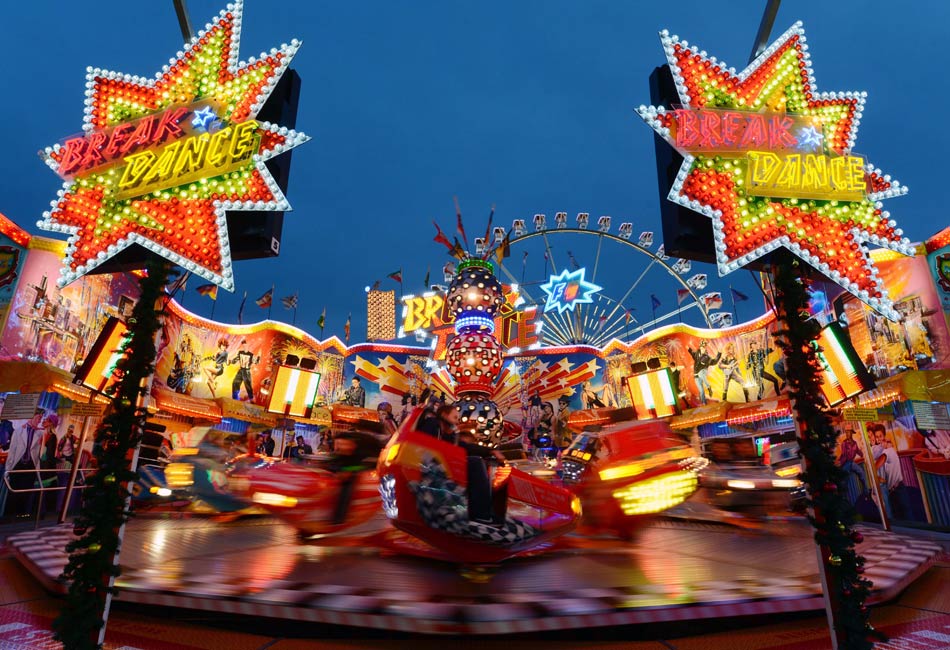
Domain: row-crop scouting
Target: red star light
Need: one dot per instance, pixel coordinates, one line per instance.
(162, 160)
(769, 159)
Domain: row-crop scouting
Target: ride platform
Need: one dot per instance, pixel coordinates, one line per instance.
(671, 571)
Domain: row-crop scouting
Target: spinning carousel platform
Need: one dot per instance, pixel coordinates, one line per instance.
(672, 571)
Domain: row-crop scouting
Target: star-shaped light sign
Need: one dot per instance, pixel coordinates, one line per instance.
(769, 159)
(568, 289)
(163, 159)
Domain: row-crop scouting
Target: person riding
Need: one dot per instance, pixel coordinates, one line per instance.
(352, 454)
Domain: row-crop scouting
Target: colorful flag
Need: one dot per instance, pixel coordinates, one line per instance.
(574, 263)
(289, 302)
(375, 286)
(425, 282)
(655, 301)
(738, 296)
(457, 250)
(346, 328)
(178, 285)
(209, 290)
(265, 301)
(396, 275)
(458, 222)
(440, 236)
(322, 321)
(488, 232)
(504, 248)
(712, 300)
(681, 295)
(627, 316)
(601, 322)
(240, 317)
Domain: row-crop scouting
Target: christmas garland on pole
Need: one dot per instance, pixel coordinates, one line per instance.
(831, 514)
(93, 555)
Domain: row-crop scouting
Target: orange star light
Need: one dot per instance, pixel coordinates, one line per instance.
(162, 160)
(770, 161)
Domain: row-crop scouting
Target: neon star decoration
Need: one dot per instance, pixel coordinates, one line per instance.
(745, 169)
(568, 289)
(163, 159)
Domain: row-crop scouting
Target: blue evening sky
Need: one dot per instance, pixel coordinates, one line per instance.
(527, 105)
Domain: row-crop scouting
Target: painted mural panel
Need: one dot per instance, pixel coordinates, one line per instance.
(920, 341)
(209, 360)
(55, 325)
(739, 364)
(12, 257)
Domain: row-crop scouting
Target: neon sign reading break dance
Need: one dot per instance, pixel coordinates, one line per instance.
(784, 153)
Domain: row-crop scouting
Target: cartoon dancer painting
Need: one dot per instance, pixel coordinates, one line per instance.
(220, 359)
(245, 359)
(701, 364)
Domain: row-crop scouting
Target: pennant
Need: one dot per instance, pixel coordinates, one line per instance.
(240, 318)
(209, 290)
(712, 300)
(322, 321)
(265, 301)
(655, 301)
(375, 286)
(458, 222)
(627, 316)
(681, 295)
(425, 282)
(488, 232)
(738, 296)
(448, 271)
(396, 275)
(440, 236)
(290, 302)
(574, 263)
(504, 248)
(457, 250)
(346, 328)
(524, 260)
(178, 285)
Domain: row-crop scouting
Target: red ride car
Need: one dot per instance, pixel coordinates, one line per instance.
(426, 493)
(623, 471)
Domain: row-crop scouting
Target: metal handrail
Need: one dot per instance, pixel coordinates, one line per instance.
(51, 488)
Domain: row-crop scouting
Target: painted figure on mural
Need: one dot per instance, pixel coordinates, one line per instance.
(245, 359)
(850, 456)
(184, 367)
(24, 460)
(702, 361)
(608, 394)
(564, 437)
(355, 395)
(220, 360)
(676, 380)
(591, 397)
(729, 364)
(755, 362)
(937, 442)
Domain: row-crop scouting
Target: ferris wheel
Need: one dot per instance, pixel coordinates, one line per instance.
(595, 285)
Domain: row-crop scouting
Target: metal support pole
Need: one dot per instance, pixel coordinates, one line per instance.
(74, 471)
(765, 28)
(184, 21)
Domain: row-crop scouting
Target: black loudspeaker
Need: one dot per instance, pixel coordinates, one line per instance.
(308, 364)
(639, 367)
(291, 360)
(654, 363)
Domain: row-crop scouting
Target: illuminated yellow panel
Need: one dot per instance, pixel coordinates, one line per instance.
(381, 315)
(840, 376)
(179, 475)
(806, 176)
(656, 494)
(652, 394)
(294, 392)
(100, 373)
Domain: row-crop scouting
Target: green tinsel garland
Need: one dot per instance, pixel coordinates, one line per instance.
(104, 499)
(834, 516)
